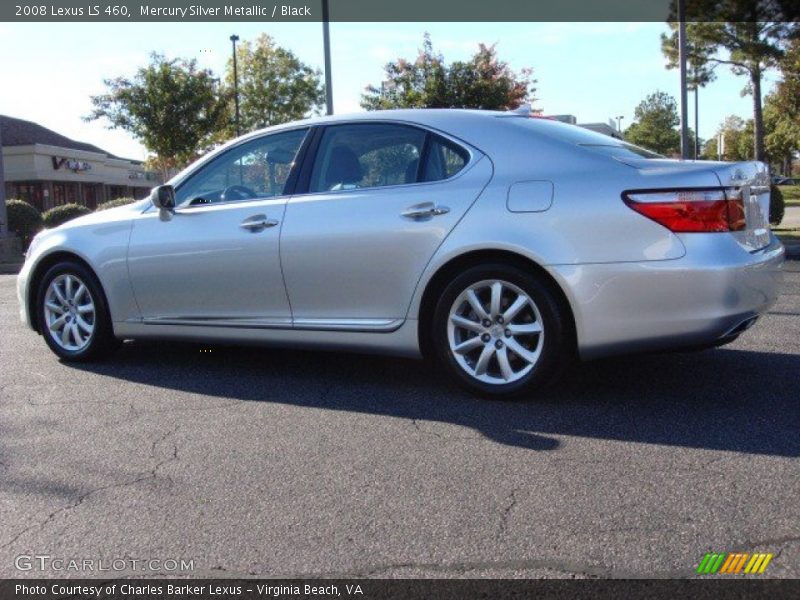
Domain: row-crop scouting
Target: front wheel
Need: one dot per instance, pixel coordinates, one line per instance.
(73, 315)
(500, 331)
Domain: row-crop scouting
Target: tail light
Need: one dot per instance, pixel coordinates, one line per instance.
(691, 210)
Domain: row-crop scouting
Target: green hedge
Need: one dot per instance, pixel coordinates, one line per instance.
(61, 214)
(777, 206)
(24, 220)
(115, 203)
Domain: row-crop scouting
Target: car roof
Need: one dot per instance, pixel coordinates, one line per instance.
(431, 117)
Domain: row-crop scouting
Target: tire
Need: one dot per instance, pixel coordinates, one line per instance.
(71, 294)
(503, 353)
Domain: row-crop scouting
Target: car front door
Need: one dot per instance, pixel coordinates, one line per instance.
(378, 201)
(216, 260)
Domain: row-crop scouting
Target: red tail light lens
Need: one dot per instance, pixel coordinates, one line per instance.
(691, 210)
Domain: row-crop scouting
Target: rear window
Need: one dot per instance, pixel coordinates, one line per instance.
(623, 150)
(586, 138)
(444, 159)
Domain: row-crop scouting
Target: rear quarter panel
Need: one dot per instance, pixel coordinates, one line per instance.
(587, 222)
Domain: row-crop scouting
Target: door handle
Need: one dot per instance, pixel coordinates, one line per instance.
(425, 210)
(257, 223)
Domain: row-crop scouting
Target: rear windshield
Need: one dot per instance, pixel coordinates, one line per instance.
(586, 138)
(623, 150)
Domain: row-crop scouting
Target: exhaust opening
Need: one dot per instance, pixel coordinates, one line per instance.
(741, 327)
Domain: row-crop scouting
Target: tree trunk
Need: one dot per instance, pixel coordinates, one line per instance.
(758, 115)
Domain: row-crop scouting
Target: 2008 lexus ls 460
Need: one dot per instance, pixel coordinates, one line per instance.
(497, 244)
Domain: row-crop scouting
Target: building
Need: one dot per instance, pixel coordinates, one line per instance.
(604, 128)
(48, 169)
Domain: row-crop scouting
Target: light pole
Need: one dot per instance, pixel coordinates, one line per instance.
(326, 43)
(3, 212)
(696, 117)
(619, 123)
(235, 38)
(682, 65)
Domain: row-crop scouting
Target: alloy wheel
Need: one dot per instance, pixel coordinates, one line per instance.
(69, 312)
(495, 332)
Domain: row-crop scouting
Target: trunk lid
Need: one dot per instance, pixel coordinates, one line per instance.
(752, 179)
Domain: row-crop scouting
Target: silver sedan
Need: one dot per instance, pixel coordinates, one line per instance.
(501, 246)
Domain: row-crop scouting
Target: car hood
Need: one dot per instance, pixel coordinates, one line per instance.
(110, 215)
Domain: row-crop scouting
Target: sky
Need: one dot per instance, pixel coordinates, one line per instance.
(595, 71)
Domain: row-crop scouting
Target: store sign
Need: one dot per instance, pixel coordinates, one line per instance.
(76, 166)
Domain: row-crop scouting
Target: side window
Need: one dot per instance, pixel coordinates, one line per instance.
(257, 169)
(444, 159)
(366, 155)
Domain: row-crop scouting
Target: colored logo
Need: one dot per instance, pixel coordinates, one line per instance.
(734, 563)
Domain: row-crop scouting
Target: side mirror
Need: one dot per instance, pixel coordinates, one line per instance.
(163, 198)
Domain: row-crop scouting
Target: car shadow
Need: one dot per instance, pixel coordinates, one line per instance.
(724, 399)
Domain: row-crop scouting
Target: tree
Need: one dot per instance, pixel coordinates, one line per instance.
(484, 82)
(655, 122)
(787, 92)
(782, 138)
(750, 35)
(173, 108)
(274, 85)
(700, 72)
(737, 135)
(782, 112)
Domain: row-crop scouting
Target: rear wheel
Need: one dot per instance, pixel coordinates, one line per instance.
(500, 331)
(73, 314)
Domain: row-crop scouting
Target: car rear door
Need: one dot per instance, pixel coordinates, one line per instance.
(374, 202)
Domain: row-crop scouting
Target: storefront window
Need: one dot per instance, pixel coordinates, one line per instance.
(59, 194)
(117, 191)
(29, 192)
(90, 195)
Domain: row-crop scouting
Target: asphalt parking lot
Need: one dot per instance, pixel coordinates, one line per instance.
(286, 463)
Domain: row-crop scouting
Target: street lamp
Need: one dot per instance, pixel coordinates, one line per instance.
(3, 213)
(326, 42)
(619, 121)
(235, 38)
(682, 55)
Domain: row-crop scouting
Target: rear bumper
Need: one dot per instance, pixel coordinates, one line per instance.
(708, 295)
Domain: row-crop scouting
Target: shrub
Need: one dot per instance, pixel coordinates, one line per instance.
(24, 220)
(61, 214)
(114, 203)
(777, 205)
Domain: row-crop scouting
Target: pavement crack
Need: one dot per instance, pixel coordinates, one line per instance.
(420, 430)
(148, 475)
(234, 573)
(778, 541)
(511, 502)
